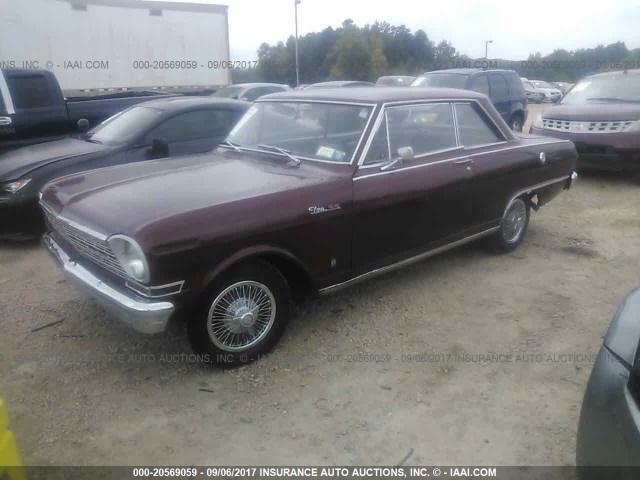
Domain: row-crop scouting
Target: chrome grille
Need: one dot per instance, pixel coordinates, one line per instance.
(584, 127)
(96, 250)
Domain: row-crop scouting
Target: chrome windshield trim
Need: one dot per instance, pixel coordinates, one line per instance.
(6, 95)
(406, 262)
(82, 228)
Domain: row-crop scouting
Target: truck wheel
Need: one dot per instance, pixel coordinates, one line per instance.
(516, 123)
(513, 227)
(242, 315)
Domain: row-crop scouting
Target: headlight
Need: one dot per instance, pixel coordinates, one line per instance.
(537, 123)
(13, 187)
(632, 127)
(130, 256)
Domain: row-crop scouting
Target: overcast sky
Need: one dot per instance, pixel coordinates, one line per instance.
(517, 28)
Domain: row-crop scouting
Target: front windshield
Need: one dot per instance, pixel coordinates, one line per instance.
(318, 131)
(446, 80)
(541, 84)
(619, 88)
(124, 126)
(228, 92)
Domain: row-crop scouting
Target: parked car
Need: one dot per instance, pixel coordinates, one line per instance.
(33, 109)
(551, 93)
(564, 87)
(341, 83)
(313, 190)
(395, 81)
(531, 91)
(609, 427)
(601, 116)
(156, 129)
(249, 92)
(503, 87)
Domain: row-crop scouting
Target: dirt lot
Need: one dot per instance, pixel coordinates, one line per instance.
(89, 391)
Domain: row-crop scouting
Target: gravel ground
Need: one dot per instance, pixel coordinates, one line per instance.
(466, 358)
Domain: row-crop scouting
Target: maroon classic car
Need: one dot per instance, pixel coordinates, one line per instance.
(601, 115)
(313, 190)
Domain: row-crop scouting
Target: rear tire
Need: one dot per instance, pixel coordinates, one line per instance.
(513, 227)
(241, 316)
(516, 123)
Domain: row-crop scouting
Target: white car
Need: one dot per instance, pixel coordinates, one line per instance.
(551, 93)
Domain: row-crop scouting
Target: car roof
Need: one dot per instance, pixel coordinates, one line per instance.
(374, 95)
(635, 72)
(257, 84)
(469, 71)
(337, 83)
(186, 103)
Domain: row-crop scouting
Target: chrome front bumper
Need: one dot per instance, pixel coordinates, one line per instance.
(144, 316)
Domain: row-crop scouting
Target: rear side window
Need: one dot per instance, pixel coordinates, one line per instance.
(498, 84)
(480, 84)
(516, 85)
(473, 129)
(425, 128)
(196, 125)
(30, 92)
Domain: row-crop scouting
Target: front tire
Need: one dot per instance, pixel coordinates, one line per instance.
(513, 227)
(241, 316)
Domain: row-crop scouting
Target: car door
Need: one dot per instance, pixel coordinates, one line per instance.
(500, 95)
(405, 209)
(39, 107)
(188, 133)
(496, 165)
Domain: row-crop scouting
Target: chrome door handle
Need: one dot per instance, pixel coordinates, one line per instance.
(465, 161)
(5, 121)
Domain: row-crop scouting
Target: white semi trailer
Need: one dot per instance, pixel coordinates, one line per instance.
(106, 45)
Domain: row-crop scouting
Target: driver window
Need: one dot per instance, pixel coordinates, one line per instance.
(425, 128)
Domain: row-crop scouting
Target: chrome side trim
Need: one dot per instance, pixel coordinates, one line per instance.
(144, 316)
(87, 230)
(538, 185)
(510, 147)
(6, 95)
(405, 262)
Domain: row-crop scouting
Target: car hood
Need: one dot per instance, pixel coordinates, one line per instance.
(597, 112)
(20, 162)
(157, 201)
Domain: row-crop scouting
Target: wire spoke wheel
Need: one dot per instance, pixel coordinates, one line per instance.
(514, 221)
(241, 316)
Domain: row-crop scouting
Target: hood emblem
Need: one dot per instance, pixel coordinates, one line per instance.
(316, 210)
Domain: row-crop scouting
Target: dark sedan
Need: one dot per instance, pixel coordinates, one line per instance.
(609, 429)
(156, 129)
(314, 190)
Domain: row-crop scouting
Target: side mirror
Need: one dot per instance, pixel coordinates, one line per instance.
(159, 148)
(83, 125)
(406, 155)
(244, 99)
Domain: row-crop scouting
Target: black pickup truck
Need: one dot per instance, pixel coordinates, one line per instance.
(34, 110)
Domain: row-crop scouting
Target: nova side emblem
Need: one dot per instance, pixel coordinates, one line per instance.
(316, 210)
